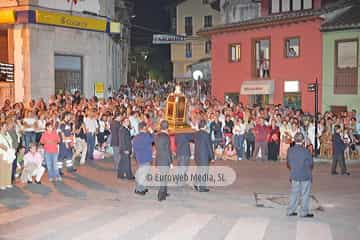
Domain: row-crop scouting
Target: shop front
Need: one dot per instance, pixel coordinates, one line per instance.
(292, 94)
(258, 92)
(52, 51)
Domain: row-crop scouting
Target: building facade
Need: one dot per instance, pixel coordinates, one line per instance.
(239, 10)
(272, 58)
(59, 46)
(191, 16)
(341, 69)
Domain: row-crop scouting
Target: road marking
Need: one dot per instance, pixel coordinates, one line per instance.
(121, 226)
(249, 229)
(185, 227)
(15, 215)
(58, 223)
(313, 230)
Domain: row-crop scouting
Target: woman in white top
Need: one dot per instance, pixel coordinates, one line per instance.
(29, 128)
(40, 126)
(7, 156)
(239, 137)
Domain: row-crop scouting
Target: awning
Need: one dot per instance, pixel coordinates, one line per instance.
(257, 87)
(7, 16)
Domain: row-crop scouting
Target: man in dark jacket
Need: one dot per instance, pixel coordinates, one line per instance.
(163, 156)
(142, 144)
(300, 163)
(182, 141)
(338, 152)
(203, 154)
(125, 148)
(114, 129)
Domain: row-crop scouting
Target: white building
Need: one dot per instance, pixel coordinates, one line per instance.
(233, 11)
(58, 46)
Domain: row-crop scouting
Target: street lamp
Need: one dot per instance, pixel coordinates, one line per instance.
(197, 76)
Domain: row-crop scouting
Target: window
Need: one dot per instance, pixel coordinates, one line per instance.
(296, 5)
(208, 47)
(307, 4)
(346, 54)
(262, 58)
(292, 47)
(68, 73)
(188, 50)
(285, 5)
(208, 21)
(277, 6)
(188, 26)
(346, 70)
(235, 52)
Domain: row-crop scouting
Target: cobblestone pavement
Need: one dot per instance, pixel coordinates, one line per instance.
(92, 204)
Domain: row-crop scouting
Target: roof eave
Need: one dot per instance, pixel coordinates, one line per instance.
(232, 28)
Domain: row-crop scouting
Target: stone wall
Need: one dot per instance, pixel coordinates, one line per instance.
(46, 41)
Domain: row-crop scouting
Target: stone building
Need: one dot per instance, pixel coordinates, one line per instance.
(58, 46)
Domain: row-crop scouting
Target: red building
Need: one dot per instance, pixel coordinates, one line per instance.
(270, 59)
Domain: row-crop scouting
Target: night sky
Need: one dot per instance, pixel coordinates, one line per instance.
(150, 14)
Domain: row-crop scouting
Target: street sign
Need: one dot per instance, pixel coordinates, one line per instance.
(167, 38)
(311, 87)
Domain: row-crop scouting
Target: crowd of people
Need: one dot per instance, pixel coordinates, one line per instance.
(68, 130)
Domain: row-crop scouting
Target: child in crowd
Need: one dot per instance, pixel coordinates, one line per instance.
(229, 152)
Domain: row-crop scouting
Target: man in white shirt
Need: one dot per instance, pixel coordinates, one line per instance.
(91, 126)
(32, 166)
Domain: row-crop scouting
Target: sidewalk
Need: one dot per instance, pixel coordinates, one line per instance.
(323, 160)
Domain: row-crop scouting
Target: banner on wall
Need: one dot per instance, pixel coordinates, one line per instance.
(71, 21)
(7, 16)
(99, 90)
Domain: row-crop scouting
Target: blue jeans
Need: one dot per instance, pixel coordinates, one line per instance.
(239, 145)
(29, 137)
(300, 192)
(141, 177)
(90, 140)
(51, 159)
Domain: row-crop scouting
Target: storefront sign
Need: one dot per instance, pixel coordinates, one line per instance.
(66, 20)
(99, 89)
(257, 87)
(291, 86)
(7, 16)
(115, 27)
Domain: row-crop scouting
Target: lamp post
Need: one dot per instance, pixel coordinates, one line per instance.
(314, 87)
(197, 76)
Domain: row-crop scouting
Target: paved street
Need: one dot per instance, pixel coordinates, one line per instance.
(92, 204)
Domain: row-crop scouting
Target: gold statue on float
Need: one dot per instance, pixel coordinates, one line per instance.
(176, 110)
